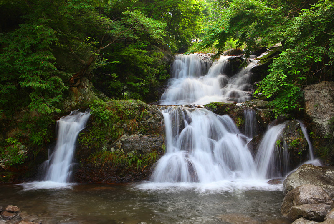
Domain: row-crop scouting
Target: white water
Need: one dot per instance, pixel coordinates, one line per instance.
(207, 151)
(58, 166)
(250, 123)
(265, 158)
(190, 84)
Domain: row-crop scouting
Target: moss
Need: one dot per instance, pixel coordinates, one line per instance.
(220, 108)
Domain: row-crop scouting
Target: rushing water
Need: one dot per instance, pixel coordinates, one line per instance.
(110, 204)
(206, 148)
(208, 174)
(58, 167)
(191, 83)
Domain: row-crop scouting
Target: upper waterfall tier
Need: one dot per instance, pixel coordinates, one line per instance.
(194, 81)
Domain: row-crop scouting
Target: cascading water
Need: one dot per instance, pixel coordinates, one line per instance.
(209, 148)
(191, 84)
(206, 148)
(58, 167)
(250, 123)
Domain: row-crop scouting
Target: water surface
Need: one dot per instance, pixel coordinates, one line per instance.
(96, 203)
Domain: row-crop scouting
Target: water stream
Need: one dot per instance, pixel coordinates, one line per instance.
(205, 150)
(207, 175)
(58, 168)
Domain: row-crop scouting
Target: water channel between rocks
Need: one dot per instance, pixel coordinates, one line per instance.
(110, 204)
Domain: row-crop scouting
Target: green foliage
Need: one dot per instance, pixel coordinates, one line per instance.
(304, 30)
(307, 58)
(12, 152)
(130, 160)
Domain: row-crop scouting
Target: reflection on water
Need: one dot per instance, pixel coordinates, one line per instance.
(129, 204)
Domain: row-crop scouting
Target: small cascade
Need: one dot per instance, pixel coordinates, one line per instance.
(208, 148)
(59, 165)
(60, 161)
(250, 123)
(308, 140)
(193, 83)
(266, 156)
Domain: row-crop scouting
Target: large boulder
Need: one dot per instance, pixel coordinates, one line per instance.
(319, 104)
(310, 174)
(308, 201)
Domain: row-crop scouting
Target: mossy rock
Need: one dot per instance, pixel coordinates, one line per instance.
(121, 142)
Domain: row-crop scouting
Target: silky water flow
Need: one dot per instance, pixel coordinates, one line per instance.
(57, 170)
(205, 148)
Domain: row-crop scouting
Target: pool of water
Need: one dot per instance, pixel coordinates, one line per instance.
(133, 203)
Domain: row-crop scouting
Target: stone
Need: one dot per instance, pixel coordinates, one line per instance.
(141, 143)
(8, 215)
(308, 201)
(330, 215)
(303, 221)
(315, 212)
(310, 174)
(12, 208)
(319, 104)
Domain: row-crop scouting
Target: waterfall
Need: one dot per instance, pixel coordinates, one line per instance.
(59, 165)
(209, 148)
(250, 123)
(191, 83)
(60, 161)
(265, 157)
(206, 148)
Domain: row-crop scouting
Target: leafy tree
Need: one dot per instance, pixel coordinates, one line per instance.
(182, 18)
(307, 57)
(302, 27)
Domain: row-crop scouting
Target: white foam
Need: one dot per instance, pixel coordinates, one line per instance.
(37, 185)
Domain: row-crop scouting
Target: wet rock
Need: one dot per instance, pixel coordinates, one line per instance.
(303, 221)
(315, 212)
(8, 215)
(330, 215)
(293, 146)
(12, 208)
(319, 104)
(310, 174)
(141, 143)
(308, 201)
(233, 66)
(275, 181)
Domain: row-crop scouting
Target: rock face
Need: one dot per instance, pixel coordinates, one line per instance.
(309, 192)
(292, 146)
(122, 148)
(310, 174)
(319, 104)
(308, 201)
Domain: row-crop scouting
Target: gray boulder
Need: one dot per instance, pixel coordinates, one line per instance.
(310, 174)
(308, 201)
(319, 104)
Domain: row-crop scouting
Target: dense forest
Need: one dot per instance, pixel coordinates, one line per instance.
(124, 49)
